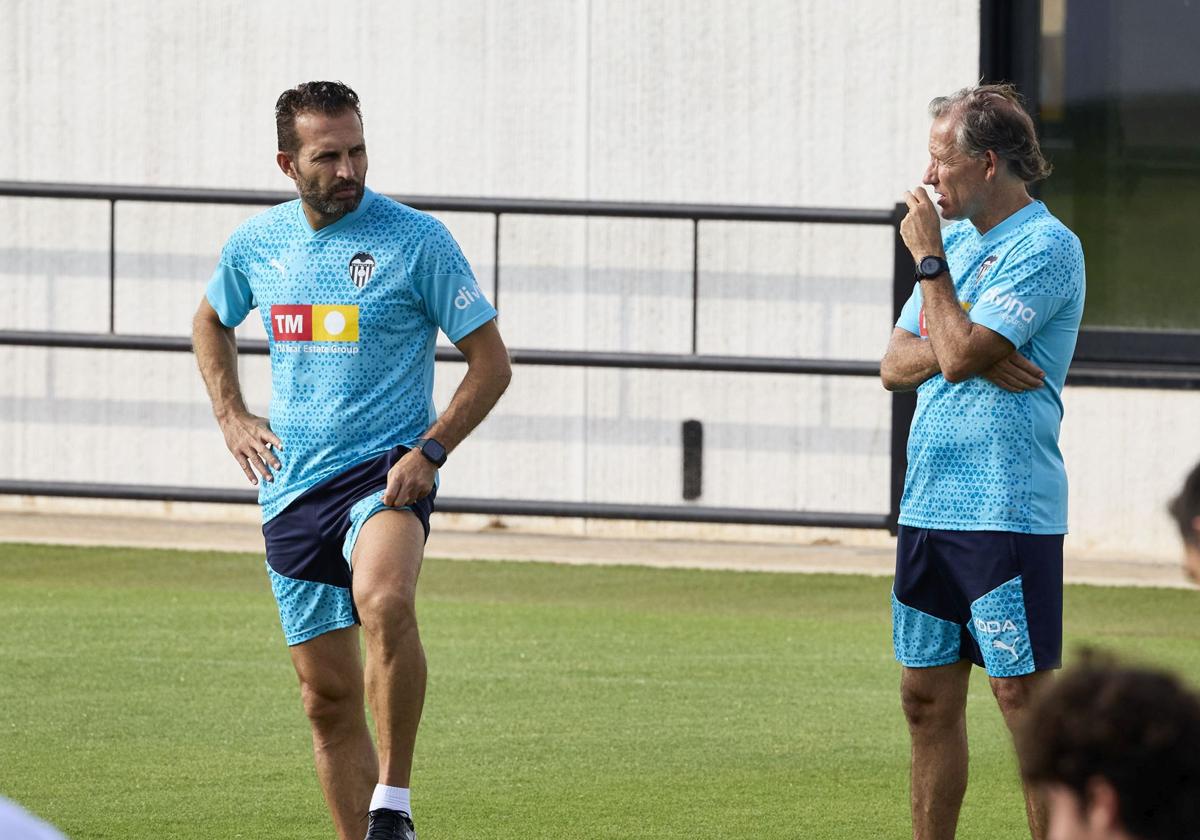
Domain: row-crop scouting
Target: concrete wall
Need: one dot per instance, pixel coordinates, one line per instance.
(771, 102)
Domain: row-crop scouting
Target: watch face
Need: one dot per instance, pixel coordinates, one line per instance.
(930, 266)
(434, 451)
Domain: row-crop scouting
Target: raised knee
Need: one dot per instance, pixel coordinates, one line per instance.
(388, 613)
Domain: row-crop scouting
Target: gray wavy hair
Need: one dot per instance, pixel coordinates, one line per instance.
(992, 117)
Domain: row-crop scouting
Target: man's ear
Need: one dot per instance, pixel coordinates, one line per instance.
(1103, 808)
(993, 165)
(286, 164)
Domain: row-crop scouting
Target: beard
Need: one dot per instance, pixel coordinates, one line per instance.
(323, 201)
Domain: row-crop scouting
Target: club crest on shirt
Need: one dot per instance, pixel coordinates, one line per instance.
(984, 267)
(362, 266)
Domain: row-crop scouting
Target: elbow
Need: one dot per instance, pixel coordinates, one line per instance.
(503, 375)
(887, 376)
(956, 373)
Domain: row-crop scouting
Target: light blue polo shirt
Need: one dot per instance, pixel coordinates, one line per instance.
(351, 313)
(981, 458)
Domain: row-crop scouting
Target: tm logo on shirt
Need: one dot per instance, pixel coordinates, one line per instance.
(303, 322)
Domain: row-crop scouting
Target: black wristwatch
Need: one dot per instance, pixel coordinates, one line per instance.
(433, 451)
(930, 267)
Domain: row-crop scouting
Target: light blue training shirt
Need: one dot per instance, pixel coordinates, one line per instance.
(351, 313)
(981, 458)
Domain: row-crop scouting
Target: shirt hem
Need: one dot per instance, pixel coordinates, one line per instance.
(1015, 527)
(471, 326)
(279, 505)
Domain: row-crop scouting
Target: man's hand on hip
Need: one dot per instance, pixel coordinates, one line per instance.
(252, 444)
(921, 229)
(1015, 373)
(409, 479)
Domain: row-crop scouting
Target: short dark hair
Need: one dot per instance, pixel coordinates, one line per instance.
(310, 97)
(1136, 728)
(1185, 507)
(992, 117)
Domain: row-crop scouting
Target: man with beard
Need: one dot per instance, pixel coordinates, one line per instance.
(352, 288)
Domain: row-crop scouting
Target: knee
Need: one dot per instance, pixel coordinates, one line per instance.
(925, 709)
(330, 703)
(1013, 694)
(389, 613)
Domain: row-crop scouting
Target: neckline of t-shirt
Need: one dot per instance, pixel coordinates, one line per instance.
(345, 221)
(1013, 222)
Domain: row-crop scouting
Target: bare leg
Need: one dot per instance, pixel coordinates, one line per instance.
(387, 560)
(935, 705)
(1013, 695)
(331, 686)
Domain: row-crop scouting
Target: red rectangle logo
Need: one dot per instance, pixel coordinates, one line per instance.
(291, 322)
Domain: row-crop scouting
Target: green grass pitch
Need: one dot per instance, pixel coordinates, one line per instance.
(148, 694)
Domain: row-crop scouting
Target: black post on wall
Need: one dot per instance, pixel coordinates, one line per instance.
(904, 404)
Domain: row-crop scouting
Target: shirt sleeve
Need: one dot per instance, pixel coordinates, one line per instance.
(229, 290)
(1036, 281)
(910, 315)
(449, 293)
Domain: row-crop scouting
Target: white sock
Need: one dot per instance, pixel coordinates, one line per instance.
(392, 798)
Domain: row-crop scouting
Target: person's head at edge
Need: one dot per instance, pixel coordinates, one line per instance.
(983, 154)
(1185, 510)
(321, 147)
(1116, 751)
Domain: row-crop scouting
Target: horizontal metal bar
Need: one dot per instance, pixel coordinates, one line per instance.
(1097, 375)
(1120, 345)
(559, 358)
(685, 361)
(1085, 373)
(491, 507)
(465, 204)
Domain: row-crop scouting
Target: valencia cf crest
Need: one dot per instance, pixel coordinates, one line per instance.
(362, 266)
(984, 267)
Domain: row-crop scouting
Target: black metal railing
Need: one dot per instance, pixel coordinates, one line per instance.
(1142, 373)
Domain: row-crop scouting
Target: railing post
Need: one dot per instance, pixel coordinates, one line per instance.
(496, 263)
(695, 284)
(112, 266)
(904, 404)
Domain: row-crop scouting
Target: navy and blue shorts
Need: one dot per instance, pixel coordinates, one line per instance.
(992, 597)
(310, 542)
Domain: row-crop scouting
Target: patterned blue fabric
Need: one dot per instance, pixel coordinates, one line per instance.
(307, 608)
(1000, 627)
(351, 312)
(921, 640)
(981, 458)
(363, 510)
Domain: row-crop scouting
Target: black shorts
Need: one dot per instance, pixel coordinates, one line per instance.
(992, 597)
(311, 541)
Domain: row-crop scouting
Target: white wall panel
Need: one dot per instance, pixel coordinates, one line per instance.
(54, 265)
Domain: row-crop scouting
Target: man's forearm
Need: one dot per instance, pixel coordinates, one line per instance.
(947, 323)
(908, 363)
(216, 354)
(476, 395)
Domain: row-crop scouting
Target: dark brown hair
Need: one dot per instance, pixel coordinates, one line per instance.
(329, 98)
(992, 117)
(1136, 728)
(1185, 507)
